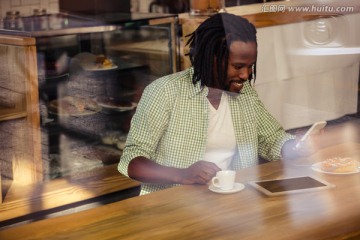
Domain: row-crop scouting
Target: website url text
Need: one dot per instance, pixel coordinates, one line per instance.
(313, 8)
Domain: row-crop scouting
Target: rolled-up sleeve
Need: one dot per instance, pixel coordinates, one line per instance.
(271, 135)
(147, 126)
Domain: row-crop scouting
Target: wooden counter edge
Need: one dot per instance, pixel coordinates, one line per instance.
(17, 40)
(23, 200)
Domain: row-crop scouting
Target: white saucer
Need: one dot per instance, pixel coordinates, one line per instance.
(237, 188)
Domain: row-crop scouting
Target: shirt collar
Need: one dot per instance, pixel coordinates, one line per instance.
(197, 89)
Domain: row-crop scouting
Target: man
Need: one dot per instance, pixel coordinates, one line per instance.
(193, 123)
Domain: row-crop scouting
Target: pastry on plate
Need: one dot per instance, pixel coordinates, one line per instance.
(102, 62)
(340, 165)
(73, 105)
(116, 138)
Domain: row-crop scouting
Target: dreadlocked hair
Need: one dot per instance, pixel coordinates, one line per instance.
(211, 42)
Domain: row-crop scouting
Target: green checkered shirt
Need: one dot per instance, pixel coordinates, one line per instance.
(171, 121)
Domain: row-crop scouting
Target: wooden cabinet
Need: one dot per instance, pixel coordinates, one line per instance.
(20, 141)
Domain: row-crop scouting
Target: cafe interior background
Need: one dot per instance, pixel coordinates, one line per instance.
(307, 71)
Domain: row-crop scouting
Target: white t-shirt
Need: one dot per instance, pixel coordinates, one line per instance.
(221, 143)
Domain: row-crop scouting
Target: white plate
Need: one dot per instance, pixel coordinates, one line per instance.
(78, 114)
(94, 68)
(237, 188)
(120, 109)
(61, 112)
(317, 167)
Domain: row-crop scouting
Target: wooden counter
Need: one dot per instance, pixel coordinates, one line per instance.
(63, 192)
(194, 212)
(285, 12)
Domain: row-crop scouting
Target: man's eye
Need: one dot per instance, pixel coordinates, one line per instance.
(238, 67)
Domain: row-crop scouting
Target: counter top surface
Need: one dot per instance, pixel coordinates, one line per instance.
(284, 12)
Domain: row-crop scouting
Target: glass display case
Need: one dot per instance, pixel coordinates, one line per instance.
(65, 130)
(90, 84)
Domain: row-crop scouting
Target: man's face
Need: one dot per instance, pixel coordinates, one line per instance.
(242, 57)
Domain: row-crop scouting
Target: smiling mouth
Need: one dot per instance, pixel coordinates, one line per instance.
(236, 85)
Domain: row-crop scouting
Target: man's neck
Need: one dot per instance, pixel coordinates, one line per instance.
(214, 97)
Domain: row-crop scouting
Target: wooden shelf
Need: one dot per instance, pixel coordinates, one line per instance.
(9, 114)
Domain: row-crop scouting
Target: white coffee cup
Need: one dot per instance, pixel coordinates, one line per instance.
(224, 180)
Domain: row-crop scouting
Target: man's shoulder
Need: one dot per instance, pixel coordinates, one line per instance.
(249, 90)
(174, 80)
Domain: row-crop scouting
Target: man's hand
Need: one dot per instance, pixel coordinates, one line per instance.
(294, 149)
(305, 148)
(147, 171)
(200, 172)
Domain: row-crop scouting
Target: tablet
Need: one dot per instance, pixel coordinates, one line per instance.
(275, 187)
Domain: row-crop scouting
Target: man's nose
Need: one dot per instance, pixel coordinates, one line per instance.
(244, 73)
